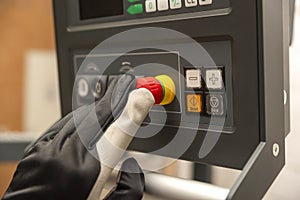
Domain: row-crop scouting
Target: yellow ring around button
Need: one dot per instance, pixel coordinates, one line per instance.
(169, 89)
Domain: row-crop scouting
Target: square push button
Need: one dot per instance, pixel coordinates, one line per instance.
(214, 104)
(150, 6)
(135, 9)
(191, 3)
(162, 5)
(205, 2)
(175, 4)
(214, 79)
(193, 78)
(194, 103)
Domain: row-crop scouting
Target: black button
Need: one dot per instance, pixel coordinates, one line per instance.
(214, 104)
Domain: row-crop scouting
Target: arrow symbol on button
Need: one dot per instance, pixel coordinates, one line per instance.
(193, 101)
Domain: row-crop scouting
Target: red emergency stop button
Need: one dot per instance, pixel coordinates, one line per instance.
(153, 85)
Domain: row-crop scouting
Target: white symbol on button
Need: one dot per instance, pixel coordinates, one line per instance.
(205, 2)
(190, 3)
(150, 6)
(175, 4)
(193, 78)
(214, 102)
(83, 88)
(162, 5)
(214, 79)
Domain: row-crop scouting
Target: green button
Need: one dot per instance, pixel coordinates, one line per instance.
(133, 1)
(135, 9)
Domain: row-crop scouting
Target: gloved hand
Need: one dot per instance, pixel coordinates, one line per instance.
(58, 165)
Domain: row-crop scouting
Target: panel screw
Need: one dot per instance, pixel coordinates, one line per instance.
(276, 149)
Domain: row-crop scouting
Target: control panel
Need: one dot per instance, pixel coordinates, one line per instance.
(223, 106)
(202, 92)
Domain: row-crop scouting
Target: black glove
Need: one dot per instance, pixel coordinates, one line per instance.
(58, 165)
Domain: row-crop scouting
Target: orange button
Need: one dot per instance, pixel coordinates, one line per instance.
(194, 103)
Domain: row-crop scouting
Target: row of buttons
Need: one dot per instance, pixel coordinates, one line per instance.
(162, 5)
(89, 88)
(213, 78)
(214, 103)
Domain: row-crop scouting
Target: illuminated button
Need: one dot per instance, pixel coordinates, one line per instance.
(214, 104)
(214, 79)
(150, 6)
(135, 9)
(191, 3)
(205, 2)
(175, 4)
(82, 87)
(194, 103)
(162, 5)
(193, 78)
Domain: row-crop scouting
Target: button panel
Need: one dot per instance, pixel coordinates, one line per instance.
(209, 81)
(192, 104)
(151, 6)
(157, 10)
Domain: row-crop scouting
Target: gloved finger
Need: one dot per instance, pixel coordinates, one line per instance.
(126, 83)
(117, 93)
(131, 184)
(120, 133)
(91, 129)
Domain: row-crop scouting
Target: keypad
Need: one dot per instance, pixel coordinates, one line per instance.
(205, 90)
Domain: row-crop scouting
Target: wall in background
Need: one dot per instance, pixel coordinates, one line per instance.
(24, 25)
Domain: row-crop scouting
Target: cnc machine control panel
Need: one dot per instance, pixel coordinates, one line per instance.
(202, 92)
(215, 51)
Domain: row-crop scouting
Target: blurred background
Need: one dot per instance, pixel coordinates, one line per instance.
(29, 98)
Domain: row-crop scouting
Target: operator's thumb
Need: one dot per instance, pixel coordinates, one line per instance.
(131, 184)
